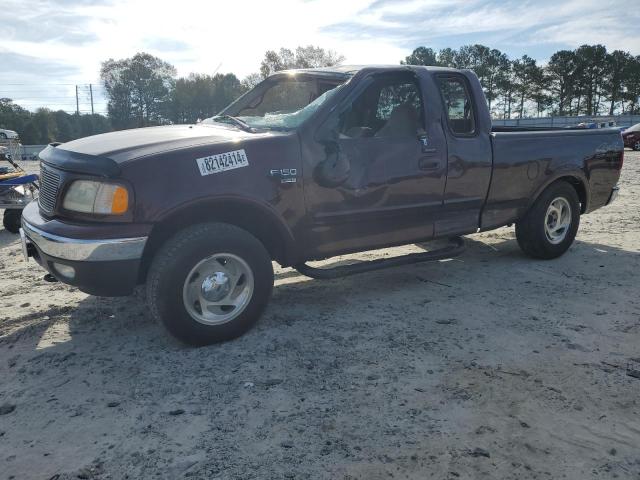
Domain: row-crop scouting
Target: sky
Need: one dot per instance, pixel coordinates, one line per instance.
(47, 47)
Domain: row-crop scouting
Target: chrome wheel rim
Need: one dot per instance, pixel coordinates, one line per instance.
(218, 289)
(557, 220)
(637, 145)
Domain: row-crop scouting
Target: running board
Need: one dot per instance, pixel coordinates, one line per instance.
(455, 248)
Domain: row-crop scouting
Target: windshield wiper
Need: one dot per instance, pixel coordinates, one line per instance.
(236, 121)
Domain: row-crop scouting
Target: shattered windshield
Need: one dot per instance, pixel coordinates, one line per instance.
(281, 103)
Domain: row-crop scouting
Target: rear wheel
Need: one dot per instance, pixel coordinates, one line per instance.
(210, 283)
(550, 226)
(11, 220)
(636, 146)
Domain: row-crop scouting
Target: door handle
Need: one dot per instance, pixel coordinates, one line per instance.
(424, 142)
(427, 163)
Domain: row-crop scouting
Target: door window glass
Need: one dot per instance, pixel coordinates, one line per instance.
(458, 105)
(391, 106)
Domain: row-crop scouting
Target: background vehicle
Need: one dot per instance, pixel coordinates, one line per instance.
(308, 165)
(6, 134)
(631, 137)
(17, 189)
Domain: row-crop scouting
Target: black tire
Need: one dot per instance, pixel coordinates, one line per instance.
(530, 230)
(11, 220)
(176, 259)
(636, 146)
(3, 135)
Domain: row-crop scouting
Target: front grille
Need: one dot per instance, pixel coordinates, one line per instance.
(49, 185)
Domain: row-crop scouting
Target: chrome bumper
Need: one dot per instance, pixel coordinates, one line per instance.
(75, 249)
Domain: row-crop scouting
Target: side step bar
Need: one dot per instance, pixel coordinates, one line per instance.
(455, 248)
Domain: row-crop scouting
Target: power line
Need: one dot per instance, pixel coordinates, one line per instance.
(19, 92)
(33, 84)
(85, 97)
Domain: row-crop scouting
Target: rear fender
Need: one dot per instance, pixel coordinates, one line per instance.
(576, 178)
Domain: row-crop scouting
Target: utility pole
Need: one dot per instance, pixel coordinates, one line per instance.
(77, 102)
(91, 93)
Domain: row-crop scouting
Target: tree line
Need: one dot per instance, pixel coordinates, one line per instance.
(45, 126)
(586, 81)
(145, 90)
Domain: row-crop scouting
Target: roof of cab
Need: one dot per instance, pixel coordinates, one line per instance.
(353, 69)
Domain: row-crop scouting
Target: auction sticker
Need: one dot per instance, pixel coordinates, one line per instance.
(222, 162)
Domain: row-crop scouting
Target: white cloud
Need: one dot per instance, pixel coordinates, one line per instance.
(232, 36)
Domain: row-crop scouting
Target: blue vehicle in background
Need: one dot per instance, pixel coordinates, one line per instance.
(17, 189)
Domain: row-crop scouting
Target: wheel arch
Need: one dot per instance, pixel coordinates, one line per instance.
(577, 180)
(258, 219)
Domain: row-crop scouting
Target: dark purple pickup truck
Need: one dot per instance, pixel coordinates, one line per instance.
(308, 165)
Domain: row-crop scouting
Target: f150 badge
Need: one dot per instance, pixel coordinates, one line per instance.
(286, 175)
(222, 162)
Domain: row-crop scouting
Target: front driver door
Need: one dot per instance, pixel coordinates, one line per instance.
(371, 181)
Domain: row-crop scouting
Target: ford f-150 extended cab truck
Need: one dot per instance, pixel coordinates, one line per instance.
(308, 165)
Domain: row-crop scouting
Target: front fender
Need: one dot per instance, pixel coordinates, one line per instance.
(259, 219)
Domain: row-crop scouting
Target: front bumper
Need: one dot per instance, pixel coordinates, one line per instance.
(103, 250)
(105, 267)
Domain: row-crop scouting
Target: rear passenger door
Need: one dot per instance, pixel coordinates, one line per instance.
(469, 157)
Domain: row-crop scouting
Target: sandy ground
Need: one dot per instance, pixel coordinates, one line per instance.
(491, 365)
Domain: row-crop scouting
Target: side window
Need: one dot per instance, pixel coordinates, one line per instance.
(458, 105)
(392, 96)
(391, 106)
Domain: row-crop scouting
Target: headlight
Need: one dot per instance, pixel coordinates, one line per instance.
(87, 196)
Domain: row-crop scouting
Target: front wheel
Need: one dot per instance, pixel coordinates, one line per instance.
(550, 226)
(636, 146)
(210, 283)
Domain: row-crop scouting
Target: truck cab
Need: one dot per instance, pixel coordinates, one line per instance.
(385, 167)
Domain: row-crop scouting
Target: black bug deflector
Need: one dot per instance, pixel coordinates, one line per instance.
(456, 247)
(71, 161)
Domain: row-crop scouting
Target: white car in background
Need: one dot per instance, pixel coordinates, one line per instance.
(5, 134)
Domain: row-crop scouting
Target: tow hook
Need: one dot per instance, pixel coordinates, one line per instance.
(49, 278)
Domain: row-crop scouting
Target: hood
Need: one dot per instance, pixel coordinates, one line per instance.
(129, 144)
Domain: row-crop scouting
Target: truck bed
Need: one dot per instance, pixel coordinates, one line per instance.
(527, 159)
